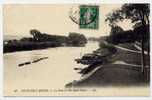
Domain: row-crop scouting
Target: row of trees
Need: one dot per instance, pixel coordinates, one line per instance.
(139, 15)
(43, 37)
(129, 35)
(73, 39)
(42, 40)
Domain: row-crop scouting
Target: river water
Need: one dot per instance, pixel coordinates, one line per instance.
(54, 72)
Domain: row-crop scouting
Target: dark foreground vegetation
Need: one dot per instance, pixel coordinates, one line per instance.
(131, 36)
(42, 40)
(123, 58)
(111, 73)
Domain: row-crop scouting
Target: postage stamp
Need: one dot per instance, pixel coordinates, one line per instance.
(86, 16)
(89, 17)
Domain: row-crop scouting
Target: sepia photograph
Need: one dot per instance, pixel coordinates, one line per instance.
(76, 49)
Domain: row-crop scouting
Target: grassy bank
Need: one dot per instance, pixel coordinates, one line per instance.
(110, 73)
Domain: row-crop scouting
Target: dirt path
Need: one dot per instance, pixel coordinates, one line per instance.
(125, 71)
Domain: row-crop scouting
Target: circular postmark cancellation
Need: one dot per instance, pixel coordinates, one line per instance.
(83, 14)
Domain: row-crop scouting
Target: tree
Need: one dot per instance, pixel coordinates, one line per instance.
(36, 34)
(115, 29)
(138, 13)
(135, 12)
(76, 39)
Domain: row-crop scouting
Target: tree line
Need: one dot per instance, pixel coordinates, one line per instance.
(43, 40)
(139, 16)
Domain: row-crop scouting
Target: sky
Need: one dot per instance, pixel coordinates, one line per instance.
(19, 19)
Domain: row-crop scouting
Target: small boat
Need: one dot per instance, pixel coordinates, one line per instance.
(77, 68)
(34, 61)
(26, 63)
(88, 59)
(21, 64)
(37, 60)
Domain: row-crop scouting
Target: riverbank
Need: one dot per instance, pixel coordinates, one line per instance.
(42, 41)
(26, 46)
(123, 69)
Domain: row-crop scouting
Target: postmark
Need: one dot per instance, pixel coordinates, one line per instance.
(86, 16)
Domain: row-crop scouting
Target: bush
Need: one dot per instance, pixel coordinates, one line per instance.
(109, 47)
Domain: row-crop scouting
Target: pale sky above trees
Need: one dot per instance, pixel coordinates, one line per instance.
(53, 19)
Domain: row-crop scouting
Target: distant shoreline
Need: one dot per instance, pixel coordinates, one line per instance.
(35, 46)
(28, 46)
(40, 40)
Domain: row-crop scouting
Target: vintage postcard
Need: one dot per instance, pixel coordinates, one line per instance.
(76, 49)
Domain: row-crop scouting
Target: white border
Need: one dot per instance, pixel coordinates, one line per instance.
(1, 53)
(72, 1)
(59, 2)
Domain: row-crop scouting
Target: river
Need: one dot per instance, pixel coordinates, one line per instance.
(54, 72)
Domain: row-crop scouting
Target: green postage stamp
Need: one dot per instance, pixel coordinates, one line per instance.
(89, 17)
